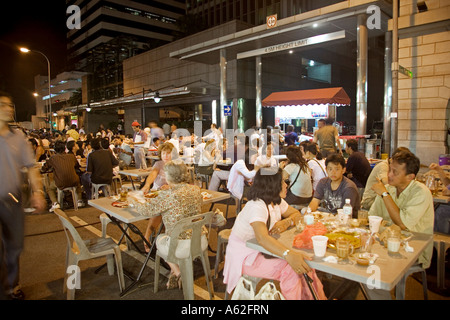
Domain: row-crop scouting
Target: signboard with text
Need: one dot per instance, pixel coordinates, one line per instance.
(271, 21)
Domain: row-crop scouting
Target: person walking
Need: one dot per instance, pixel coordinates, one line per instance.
(15, 156)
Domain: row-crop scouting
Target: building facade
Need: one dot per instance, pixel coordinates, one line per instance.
(423, 100)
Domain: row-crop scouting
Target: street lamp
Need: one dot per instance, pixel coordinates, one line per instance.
(25, 50)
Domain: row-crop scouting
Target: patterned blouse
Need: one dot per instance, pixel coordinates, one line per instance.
(179, 202)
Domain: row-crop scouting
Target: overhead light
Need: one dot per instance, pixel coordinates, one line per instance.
(311, 63)
(24, 50)
(55, 114)
(88, 109)
(157, 98)
(291, 51)
(35, 94)
(315, 25)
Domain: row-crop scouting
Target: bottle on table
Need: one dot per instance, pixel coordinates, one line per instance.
(348, 210)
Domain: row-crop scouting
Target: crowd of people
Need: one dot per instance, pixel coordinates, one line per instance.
(277, 191)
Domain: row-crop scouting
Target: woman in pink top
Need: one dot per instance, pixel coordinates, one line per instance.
(266, 212)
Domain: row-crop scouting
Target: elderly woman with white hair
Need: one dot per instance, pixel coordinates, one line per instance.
(180, 200)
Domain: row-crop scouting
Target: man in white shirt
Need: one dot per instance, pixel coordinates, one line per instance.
(139, 139)
(266, 159)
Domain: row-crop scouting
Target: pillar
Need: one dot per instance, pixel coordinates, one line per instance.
(258, 91)
(387, 107)
(223, 88)
(361, 76)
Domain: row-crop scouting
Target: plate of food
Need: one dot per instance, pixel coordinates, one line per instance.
(120, 204)
(332, 237)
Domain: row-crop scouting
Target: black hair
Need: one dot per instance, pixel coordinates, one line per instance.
(104, 143)
(335, 158)
(33, 142)
(294, 155)
(60, 146)
(155, 139)
(70, 144)
(412, 163)
(95, 144)
(312, 148)
(352, 144)
(266, 186)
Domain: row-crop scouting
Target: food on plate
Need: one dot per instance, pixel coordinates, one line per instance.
(120, 204)
(332, 237)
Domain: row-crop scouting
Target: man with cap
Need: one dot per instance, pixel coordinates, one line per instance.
(139, 139)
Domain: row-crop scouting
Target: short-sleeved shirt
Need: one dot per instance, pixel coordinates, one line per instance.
(290, 138)
(318, 171)
(140, 136)
(380, 171)
(359, 166)
(326, 137)
(256, 210)
(416, 212)
(100, 163)
(64, 172)
(160, 179)
(16, 154)
(332, 200)
(303, 186)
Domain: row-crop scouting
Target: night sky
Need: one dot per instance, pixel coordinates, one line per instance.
(37, 25)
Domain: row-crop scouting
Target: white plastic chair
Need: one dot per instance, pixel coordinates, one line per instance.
(96, 187)
(186, 265)
(79, 249)
(73, 190)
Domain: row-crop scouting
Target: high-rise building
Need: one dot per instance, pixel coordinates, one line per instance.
(214, 13)
(114, 30)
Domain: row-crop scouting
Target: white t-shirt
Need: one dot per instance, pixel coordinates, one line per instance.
(263, 161)
(303, 186)
(317, 173)
(256, 210)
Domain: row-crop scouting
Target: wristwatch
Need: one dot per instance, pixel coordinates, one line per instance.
(384, 194)
(285, 253)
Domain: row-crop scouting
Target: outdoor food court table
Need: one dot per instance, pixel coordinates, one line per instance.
(135, 173)
(388, 269)
(125, 218)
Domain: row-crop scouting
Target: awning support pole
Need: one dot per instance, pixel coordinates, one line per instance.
(223, 88)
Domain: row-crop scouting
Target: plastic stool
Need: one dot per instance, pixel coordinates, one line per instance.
(96, 187)
(400, 288)
(74, 197)
(441, 242)
(222, 241)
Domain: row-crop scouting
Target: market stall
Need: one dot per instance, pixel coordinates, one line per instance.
(301, 106)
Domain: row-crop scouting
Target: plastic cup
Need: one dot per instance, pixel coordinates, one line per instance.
(319, 245)
(393, 245)
(374, 223)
